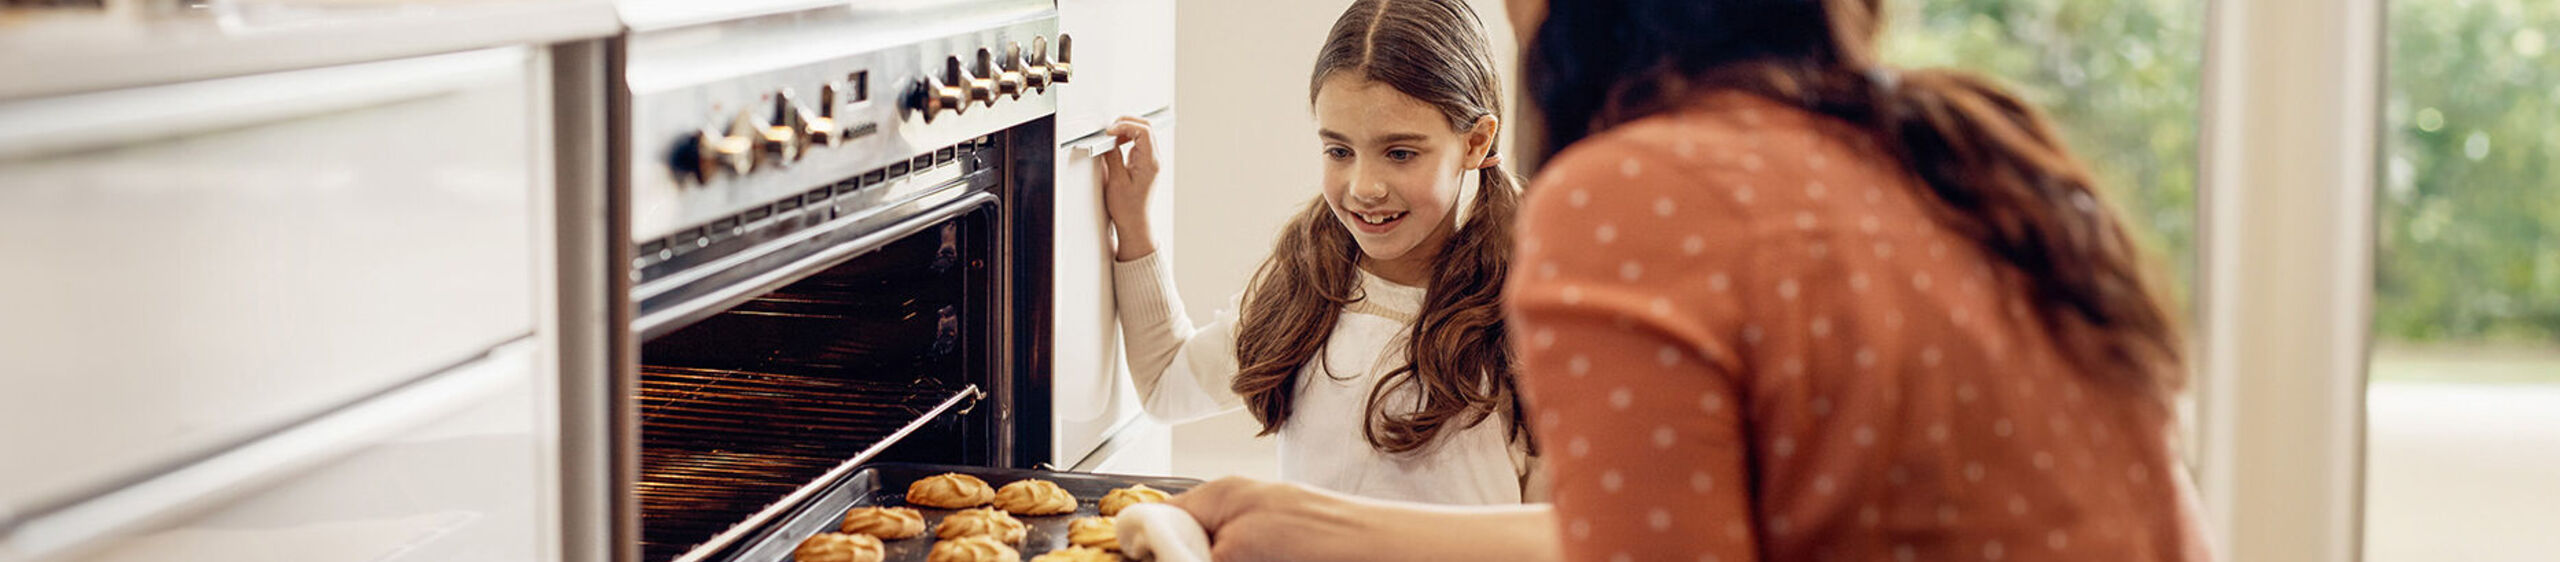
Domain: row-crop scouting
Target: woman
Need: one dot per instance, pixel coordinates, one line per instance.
(1372, 340)
(1780, 302)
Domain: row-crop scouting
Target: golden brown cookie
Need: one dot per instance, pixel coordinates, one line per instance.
(972, 549)
(1076, 554)
(1122, 498)
(982, 522)
(1094, 532)
(1034, 497)
(950, 491)
(838, 547)
(885, 522)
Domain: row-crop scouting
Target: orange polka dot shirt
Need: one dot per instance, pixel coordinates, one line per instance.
(1744, 338)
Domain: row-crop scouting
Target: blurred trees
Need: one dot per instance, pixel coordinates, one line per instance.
(2469, 215)
(2469, 207)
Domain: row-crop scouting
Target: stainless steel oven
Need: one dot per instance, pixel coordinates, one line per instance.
(271, 301)
(829, 231)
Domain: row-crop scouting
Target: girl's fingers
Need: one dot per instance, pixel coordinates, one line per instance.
(1143, 154)
(1138, 163)
(1123, 125)
(1112, 168)
(1126, 131)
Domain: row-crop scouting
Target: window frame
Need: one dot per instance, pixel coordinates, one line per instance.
(2291, 112)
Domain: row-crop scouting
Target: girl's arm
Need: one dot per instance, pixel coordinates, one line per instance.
(1250, 520)
(1181, 371)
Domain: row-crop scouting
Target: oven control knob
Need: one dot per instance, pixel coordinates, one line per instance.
(1010, 80)
(1035, 65)
(713, 149)
(752, 130)
(811, 128)
(980, 90)
(955, 93)
(783, 138)
(775, 144)
(1065, 67)
(930, 100)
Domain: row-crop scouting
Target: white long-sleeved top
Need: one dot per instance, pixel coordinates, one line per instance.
(1183, 373)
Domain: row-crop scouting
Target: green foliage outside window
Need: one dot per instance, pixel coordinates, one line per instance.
(2468, 214)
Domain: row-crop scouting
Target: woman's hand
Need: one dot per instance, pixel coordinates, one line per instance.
(1251, 520)
(1127, 179)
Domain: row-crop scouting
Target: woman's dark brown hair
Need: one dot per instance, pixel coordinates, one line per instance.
(1460, 367)
(1993, 165)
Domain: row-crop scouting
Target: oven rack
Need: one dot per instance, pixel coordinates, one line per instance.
(709, 475)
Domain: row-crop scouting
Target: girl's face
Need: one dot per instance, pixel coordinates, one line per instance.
(1392, 169)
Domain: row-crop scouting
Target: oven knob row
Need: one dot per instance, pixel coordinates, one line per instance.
(751, 142)
(1007, 75)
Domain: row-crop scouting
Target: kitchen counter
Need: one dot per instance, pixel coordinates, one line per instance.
(50, 52)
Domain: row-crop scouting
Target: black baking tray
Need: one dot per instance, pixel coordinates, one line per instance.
(885, 485)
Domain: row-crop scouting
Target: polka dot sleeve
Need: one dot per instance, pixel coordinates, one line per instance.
(1632, 386)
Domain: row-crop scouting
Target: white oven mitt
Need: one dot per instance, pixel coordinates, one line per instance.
(1163, 533)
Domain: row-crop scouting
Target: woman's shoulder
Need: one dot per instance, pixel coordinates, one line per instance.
(1700, 160)
(1730, 146)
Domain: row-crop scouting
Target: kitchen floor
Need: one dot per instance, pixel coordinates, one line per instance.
(2462, 471)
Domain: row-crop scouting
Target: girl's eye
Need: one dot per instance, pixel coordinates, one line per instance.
(1337, 153)
(1401, 155)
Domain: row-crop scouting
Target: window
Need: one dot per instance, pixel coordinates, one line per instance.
(2118, 76)
(2463, 400)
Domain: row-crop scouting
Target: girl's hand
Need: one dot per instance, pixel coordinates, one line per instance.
(1127, 179)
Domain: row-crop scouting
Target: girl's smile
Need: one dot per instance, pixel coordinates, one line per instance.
(1393, 169)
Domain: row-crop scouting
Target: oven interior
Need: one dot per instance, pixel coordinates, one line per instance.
(741, 408)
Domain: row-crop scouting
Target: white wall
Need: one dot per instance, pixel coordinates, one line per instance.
(1249, 159)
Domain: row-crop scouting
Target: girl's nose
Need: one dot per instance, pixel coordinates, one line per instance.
(1369, 192)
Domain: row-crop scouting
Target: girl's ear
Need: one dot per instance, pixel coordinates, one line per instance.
(1481, 140)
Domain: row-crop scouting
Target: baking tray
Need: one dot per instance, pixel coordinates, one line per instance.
(885, 485)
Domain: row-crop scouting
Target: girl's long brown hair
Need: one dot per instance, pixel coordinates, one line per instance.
(1460, 367)
(1994, 166)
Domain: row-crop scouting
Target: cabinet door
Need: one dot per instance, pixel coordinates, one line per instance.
(1123, 56)
(1090, 380)
(197, 264)
(452, 467)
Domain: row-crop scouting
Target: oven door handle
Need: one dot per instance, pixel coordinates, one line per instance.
(1093, 145)
(1102, 141)
(655, 323)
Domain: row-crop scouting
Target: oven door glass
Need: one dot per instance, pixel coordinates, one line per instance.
(745, 406)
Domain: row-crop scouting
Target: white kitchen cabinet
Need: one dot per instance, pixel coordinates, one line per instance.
(1090, 377)
(195, 265)
(456, 466)
(1123, 56)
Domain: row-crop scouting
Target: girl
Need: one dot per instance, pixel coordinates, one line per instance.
(1371, 341)
(1780, 302)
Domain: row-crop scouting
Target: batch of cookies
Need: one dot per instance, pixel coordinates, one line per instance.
(977, 533)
